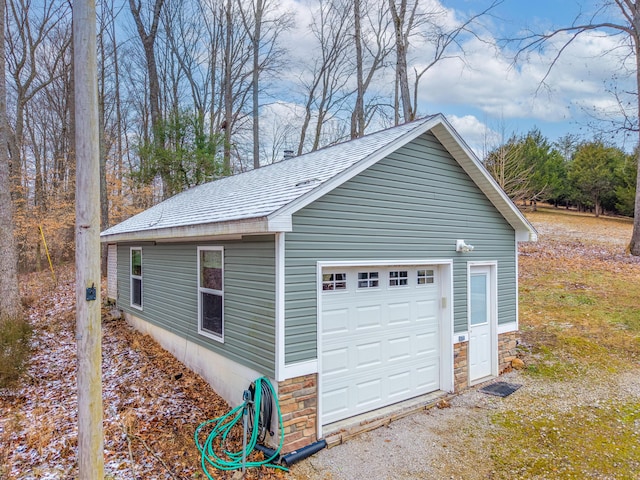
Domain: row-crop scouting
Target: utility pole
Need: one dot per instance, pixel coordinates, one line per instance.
(88, 321)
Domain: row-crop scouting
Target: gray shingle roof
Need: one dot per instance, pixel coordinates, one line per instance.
(247, 202)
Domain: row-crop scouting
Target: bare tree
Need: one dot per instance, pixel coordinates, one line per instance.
(10, 306)
(443, 41)
(618, 17)
(372, 46)
(404, 21)
(27, 32)
(148, 34)
(326, 87)
(506, 165)
(263, 31)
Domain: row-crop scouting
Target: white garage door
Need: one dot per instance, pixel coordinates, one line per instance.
(380, 338)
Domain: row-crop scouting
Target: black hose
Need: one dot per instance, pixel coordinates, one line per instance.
(265, 413)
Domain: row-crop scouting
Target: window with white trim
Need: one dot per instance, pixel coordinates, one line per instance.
(425, 277)
(334, 281)
(211, 292)
(368, 279)
(398, 278)
(135, 276)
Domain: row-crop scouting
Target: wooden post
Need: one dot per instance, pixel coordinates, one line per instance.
(88, 321)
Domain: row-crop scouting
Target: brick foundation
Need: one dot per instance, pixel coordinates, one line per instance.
(298, 403)
(506, 353)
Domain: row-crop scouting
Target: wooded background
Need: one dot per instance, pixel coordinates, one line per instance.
(192, 90)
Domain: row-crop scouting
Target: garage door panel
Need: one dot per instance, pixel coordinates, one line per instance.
(399, 313)
(381, 345)
(367, 316)
(335, 361)
(368, 355)
(399, 384)
(399, 349)
(368, 393)
(425, 311)
(427, 343)
(427, 377)
(335, 321)
(335, 401)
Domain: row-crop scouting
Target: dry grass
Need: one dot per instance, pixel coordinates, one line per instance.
(580, 322)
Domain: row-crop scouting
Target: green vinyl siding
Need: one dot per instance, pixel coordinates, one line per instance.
(170, 296)
(414, 204)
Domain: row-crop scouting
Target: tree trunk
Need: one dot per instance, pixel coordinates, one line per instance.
(10, 306)
(634, 245)
(228, 92)
(256, 77)
(357, 118)
(88, 326)
(148, 43)
(402, 41)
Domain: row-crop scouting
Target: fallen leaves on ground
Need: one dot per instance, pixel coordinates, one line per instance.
(152, 403)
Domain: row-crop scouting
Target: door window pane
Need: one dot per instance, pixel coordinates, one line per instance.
(479, 304)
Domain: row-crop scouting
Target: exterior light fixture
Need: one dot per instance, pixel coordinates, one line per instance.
(463, 247)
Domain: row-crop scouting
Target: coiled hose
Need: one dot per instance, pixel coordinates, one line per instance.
(259, 409)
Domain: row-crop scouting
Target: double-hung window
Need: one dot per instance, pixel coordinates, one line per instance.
(135, 274)
(211, 292)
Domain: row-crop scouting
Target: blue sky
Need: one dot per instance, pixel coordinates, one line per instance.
(492, 96)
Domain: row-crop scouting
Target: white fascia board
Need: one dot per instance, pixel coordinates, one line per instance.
(293, 370)
(457, 147)
(280, 223)
(280, 307)
(354, 170)
(507, 327)
(218, 231)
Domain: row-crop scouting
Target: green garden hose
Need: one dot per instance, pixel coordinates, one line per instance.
(223, 426)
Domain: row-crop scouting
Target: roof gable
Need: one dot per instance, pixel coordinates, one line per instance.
(263, 200)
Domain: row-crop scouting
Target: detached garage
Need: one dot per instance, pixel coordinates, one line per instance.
(356, 277)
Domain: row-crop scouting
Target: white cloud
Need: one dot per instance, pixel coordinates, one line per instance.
(490, 82)
(477, 135)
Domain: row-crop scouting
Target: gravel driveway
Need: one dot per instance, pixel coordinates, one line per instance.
(429, 444)
(450, 443)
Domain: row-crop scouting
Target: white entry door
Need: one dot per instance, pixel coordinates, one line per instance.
(480, 323)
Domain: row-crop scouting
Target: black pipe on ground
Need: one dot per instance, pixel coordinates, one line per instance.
(295, 456)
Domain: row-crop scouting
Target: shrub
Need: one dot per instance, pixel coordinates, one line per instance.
(15, 350)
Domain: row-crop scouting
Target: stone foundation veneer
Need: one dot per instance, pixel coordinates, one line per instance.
(507, 350)
(506, 353)
(298, 399)
(460, 366)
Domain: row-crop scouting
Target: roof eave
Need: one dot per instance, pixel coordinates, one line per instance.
(205, 231)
